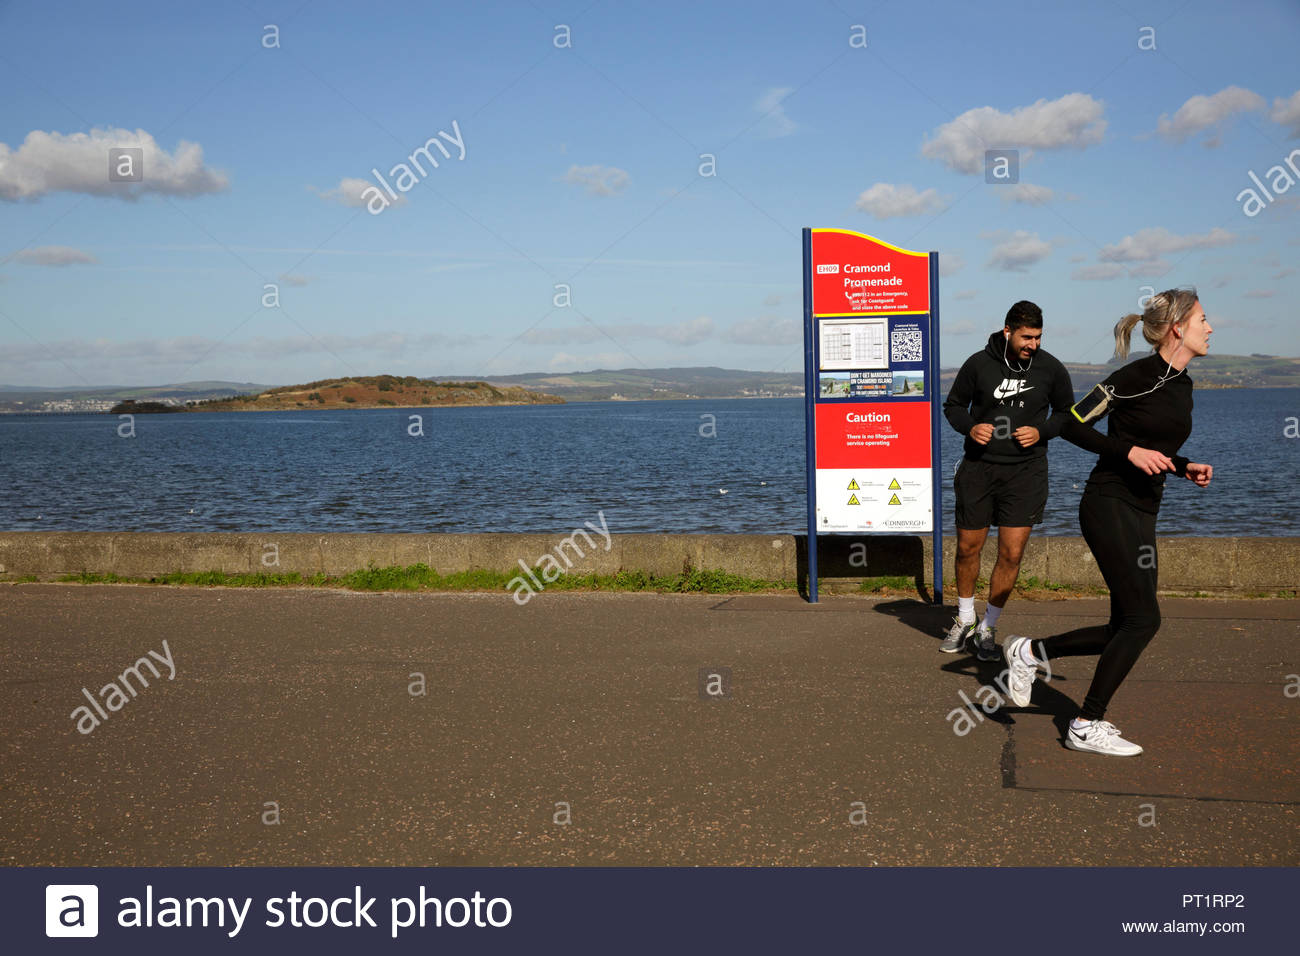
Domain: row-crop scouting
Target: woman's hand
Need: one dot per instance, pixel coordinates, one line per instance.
(1199, 473)
(1150, 461)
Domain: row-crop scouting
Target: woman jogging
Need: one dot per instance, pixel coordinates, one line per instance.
(1149, 403)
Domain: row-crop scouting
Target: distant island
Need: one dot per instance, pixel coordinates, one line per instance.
(375, 391)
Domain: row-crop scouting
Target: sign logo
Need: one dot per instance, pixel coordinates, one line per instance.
(828, 270)
(71, 909)
(1010, 387)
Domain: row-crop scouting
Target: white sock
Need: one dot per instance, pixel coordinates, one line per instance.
(966, 609)
(991, 615)
(1027, 654)
(1080, 724)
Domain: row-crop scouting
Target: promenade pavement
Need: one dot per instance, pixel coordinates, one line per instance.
(294, 733)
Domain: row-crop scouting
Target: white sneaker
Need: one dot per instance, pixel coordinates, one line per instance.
(1020, 676)
(1100, 737)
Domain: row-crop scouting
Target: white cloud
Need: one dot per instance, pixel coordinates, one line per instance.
(79, 163)
(1147, 245)
(1203, 112)
(294, 279)
(764, 330)
(1150, 269)
(576, 363)
(351, 192)
(1261, 293)
(1107, 270)
(1289, 271)
(775, 122)
(965, 294)
(887, 201)
(772, 300)
(54, 256)
(1027, 193)
(598, 180)
(950, 264)
(1287, 113)
(1075, 121)
(690, 332)
(964, 327)
(190, 349)
(1018, 251)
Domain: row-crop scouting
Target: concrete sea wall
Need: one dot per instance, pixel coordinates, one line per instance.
(1217, 565)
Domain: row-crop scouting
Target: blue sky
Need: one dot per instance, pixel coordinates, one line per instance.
(259, 121)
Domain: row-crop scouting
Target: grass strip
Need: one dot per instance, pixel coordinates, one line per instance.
(421, 577)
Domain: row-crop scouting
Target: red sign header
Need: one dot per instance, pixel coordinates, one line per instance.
(856, 274)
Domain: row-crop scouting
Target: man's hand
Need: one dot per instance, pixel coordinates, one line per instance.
(1149, 460)
(1027, 435)
(981, 433)
(1199, 473)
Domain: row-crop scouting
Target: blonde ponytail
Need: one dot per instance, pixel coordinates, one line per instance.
(1163, 310)
(1123, 331)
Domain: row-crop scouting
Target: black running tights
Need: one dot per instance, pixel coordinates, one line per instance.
(1123, 540)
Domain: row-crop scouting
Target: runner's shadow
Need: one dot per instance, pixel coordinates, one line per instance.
(932, 620)
(1085, 642)
(1044, 699)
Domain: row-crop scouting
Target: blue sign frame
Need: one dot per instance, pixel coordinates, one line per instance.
(811, 346)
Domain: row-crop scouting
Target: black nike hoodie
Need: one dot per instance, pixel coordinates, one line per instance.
(996, 387)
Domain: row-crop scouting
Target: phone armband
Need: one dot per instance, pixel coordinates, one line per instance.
(1093, 405)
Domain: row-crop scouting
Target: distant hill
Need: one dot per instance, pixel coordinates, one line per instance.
(709, 381)
(378, 391)
(1211, 371)
(132, 391)
(101, 398)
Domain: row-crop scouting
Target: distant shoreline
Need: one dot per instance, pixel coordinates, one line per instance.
(343, 406)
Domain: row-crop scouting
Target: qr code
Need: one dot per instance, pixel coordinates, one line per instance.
(905, 345)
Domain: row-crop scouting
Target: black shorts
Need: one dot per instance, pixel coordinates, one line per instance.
(1006, 495)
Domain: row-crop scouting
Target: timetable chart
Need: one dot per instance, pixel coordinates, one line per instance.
(857, 343)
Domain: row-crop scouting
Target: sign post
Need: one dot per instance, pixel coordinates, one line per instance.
(871, 383)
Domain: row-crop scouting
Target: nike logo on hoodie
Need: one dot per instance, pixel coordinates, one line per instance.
(1010, 387)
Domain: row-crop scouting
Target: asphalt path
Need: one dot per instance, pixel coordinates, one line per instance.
(323, 727)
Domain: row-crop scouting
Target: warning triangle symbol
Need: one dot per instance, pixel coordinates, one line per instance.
(853, 485)
(895, 486)
(853, 500)
(893, 500)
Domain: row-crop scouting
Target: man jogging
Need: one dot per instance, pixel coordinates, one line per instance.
(1000, 402)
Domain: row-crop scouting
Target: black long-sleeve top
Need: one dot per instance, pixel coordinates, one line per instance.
(1161, 420)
